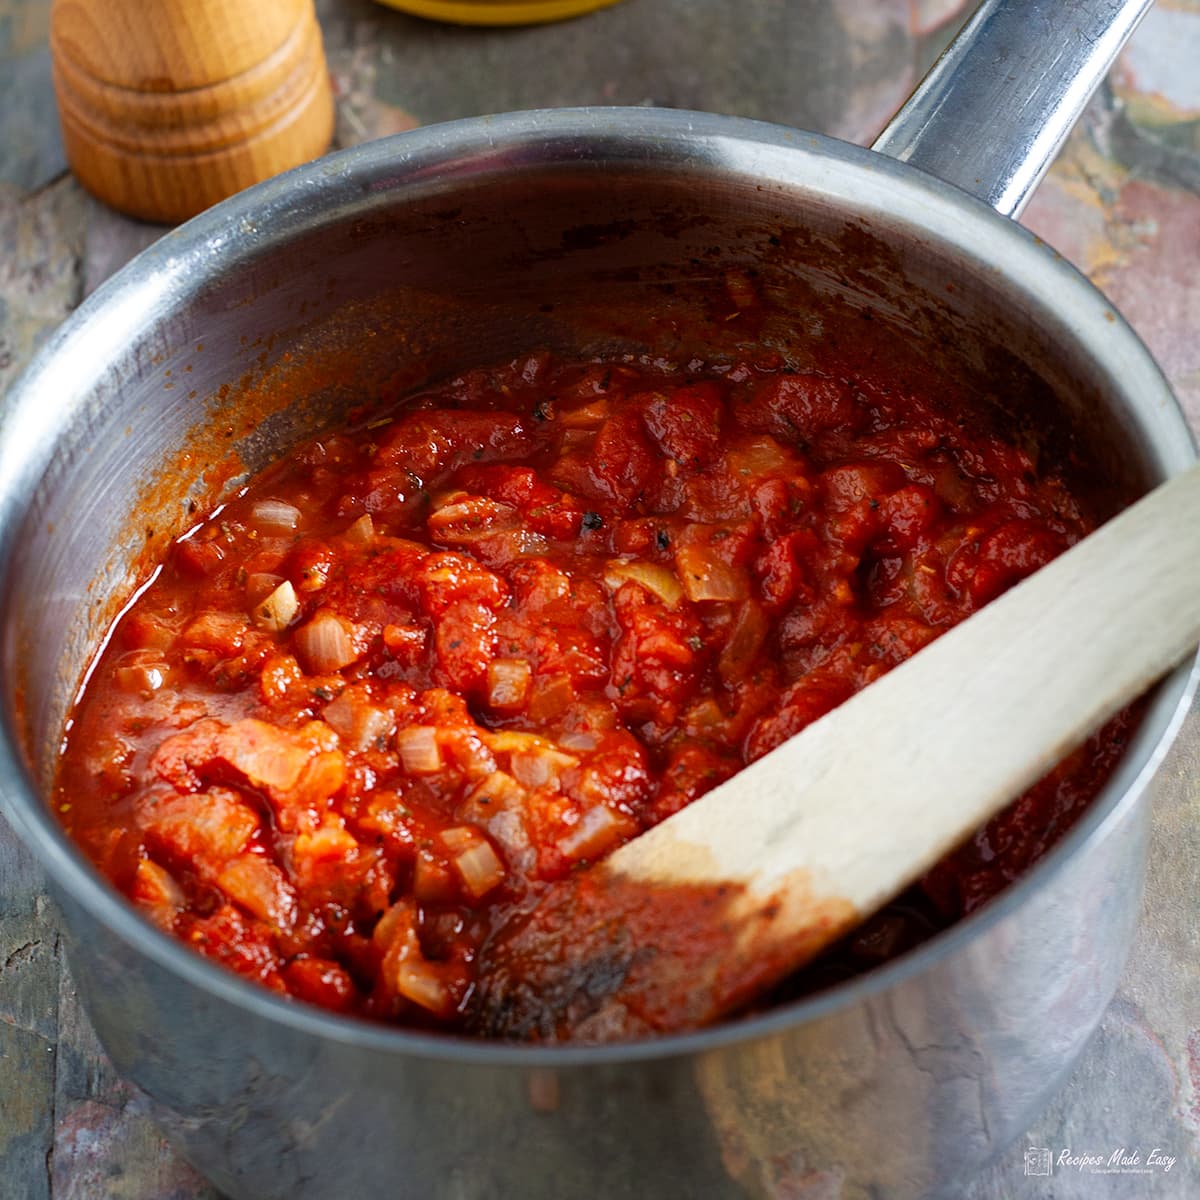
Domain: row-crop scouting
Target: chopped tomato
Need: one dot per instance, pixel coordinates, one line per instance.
(421, 668)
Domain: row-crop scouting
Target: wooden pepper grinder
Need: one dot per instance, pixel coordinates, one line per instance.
(168, 106)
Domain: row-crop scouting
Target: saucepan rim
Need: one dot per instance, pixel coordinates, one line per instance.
(324, 192)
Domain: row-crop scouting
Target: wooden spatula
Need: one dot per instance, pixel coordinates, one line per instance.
(693, 919)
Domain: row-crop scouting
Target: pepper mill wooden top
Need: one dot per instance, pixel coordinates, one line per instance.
(169, 106)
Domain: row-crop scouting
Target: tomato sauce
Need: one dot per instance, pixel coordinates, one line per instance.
(427, 665)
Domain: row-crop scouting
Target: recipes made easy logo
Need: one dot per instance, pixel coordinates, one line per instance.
(1042, 1161)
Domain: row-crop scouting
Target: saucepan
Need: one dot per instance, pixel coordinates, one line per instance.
(597, 230)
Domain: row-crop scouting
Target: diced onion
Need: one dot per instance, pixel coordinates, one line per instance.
(480, 868)
(404, 966)
(590, 715)
(474, 859)
(499, 804)
(577, 739)
(275, 516)
(496, 793)
(340, 714)
(143, 679)
(537, 767)
(658, 580)
(508, 683)
(374, 723)
(459, 838)
(420, 753)
(360, 723)
(467, 519)
(707, 577)
(279, 609)
(589, 416)
(156, 885)
(363, 530)
(418, 982)
(396, 926)
(259, 886)
(325, 644)
(157, 894)
(598, 829)
(509, 741)
(540, 768)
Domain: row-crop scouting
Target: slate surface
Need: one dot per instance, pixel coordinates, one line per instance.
(1123, 203)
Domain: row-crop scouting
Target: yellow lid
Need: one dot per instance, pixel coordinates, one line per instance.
(497, 12)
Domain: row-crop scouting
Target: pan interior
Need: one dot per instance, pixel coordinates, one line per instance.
(221, 353)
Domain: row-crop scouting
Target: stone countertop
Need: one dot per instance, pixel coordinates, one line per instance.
(1122, 202)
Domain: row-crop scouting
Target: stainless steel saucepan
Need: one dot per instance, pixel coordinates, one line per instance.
(596, 229)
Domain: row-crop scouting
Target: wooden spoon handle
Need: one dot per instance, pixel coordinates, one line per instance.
(724, 899)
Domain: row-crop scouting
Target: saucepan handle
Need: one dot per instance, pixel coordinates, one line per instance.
(997, 106)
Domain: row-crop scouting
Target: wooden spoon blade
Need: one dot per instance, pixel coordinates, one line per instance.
(707, 910)
(605, 957)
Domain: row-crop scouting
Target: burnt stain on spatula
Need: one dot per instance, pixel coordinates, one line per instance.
(607, 958)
